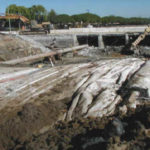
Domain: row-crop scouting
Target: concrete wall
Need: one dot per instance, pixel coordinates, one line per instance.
(62, 41)
(104, 30)
(68, 38)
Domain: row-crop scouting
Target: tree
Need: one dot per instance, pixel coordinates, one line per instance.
(52, 16)
(64, 19)
(20, 10)
(38, 12)
(12, 9)
(86, 18)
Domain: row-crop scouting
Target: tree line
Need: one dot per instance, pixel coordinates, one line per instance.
(39, 13)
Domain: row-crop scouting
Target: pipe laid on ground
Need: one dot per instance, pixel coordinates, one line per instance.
(34, 57)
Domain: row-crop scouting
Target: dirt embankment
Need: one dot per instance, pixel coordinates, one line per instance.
(12, 47)
(130, 132)
(32, 119)
(20, 123)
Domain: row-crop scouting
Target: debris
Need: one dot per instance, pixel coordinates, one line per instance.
(97, 95)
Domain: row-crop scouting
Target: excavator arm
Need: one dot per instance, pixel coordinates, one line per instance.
(140, 38)
(132, 48)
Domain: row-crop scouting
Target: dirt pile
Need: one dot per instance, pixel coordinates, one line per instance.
(114, 133)
(32, 119)
(12, 47)
(20, 123)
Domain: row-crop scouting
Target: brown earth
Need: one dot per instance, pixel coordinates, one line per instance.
(31, 119)
(12, 47)
(113, 133)
(20, 124)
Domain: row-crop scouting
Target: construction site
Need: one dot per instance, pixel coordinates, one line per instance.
(74, 89)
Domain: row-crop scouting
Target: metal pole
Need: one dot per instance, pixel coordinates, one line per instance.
(9, 22)
(19, 24)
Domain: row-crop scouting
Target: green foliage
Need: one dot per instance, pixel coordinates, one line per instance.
(36, 12)
(86, 18)
(39, 13)
(112, 19)
(52, 16)
(20, 10)
(64, 19)
(124, 21)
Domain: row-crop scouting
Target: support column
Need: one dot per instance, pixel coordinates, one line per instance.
(126, 39)
(101, 44)
(75, 40)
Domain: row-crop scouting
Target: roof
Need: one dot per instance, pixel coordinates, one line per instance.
(11, 16)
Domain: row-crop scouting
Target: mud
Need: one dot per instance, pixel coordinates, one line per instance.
(113, 133)
(20, 123)
(30, 120)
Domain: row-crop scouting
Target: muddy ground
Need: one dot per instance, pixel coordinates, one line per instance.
(37, 126)
(130, 132)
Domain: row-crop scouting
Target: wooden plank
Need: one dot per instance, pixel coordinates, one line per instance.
(34, 57)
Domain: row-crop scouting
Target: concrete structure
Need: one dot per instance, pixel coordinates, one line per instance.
(98, 37)
(113, 35)
(105, 30)
(96, 40)
(127, 39)
(101, 42)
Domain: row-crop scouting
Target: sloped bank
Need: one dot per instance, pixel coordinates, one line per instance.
(12, 47)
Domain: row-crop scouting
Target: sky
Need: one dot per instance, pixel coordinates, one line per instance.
(125, 8)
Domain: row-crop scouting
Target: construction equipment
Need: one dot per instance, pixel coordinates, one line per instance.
(35, 26)
(134, 45)
(132, 48)
(46, 26)
(140, 38)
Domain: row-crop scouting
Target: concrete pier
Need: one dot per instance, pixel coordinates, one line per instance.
(97, 37)
(75, 40)
(126, 39)
(100, 41)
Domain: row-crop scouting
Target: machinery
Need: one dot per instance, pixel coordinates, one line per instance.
(138, 40)
(45, 26)
(35, 28)
(132, 48)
